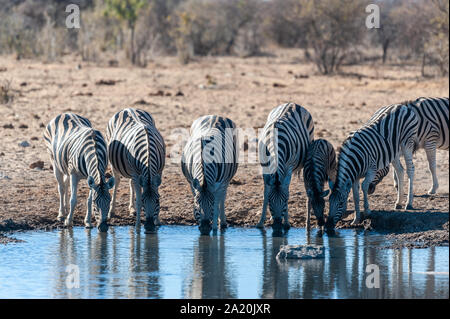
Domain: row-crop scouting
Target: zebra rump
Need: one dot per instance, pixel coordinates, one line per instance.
(78, 151)
(209, 162)
(137, 152)
(283, 145)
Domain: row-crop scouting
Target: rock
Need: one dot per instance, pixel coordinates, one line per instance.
(8, 126)
(24, 144)
(38, 164)
(300, 252)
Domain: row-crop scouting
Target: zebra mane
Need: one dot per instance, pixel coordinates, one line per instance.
(94, 136)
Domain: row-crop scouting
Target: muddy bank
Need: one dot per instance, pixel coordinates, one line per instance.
(412, 229)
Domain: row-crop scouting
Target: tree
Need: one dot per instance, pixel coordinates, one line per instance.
(387, 34)
(126, 11)
(333, 28)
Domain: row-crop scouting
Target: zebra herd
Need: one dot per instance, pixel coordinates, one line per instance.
(136, 150)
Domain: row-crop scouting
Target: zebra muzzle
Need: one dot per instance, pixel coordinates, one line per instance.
(149, 225)
(103, 227)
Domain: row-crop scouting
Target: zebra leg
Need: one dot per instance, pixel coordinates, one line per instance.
(223, 219)
(430, 150)
(132, 205)
(62, 190)
(410, 171)
(87, 219)
(215, 212)
(358, 217)
(399, 171)
(286, 224)
(263, 214)
(67, 197)
(112, 208)
(395, 180)
(365, 188)
(73, 198)
(137, 190)
(308, 214)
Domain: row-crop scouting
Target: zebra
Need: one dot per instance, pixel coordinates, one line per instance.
(391, 132)
(319, 168)
(433, 133)
(77, 151)
(209, 162)
(283, 145)
(137, 151)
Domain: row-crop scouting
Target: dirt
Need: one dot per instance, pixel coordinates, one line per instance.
(243, 90)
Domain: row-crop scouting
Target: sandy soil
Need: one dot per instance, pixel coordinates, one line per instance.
(244, 90)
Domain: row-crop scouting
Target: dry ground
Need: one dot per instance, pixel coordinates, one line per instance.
(244, 90)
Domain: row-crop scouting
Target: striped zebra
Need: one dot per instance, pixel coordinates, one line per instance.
(137, 151)
(390, 133)
(77, 151)
(320, 167)
(432, 134)
(209, 162)
(283, 145)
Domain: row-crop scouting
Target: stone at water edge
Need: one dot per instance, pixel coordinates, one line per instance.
(301, 252)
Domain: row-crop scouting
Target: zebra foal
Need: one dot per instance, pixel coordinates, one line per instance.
(283, 145)
(77, 151)
(209, 162)
(137, 151)
(320, 168)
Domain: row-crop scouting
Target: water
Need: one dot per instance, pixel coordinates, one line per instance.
(240, 263)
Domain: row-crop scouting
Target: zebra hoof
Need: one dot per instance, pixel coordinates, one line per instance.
(286, 226)
(60, 218)
(398, 206)
(431, 192)
(260, 225)
(68, 223)
(223, 226)
(88, 226)
(409, 207)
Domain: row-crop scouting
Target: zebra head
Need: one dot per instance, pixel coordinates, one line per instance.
(203, 206)
(338, 205)
(317, 199)
(150, 200)
(277, 194)
(101, 200)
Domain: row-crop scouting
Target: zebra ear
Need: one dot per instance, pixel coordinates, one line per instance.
(91, 182)
(196, 184)
(325, 193)
(156, 180)
(110, 183)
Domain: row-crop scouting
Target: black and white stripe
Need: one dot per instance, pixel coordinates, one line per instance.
(78, 151)
(137, 151)
(390, 132)
(209, 162)
(320, 168)
(283, 145)
(432, 134)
